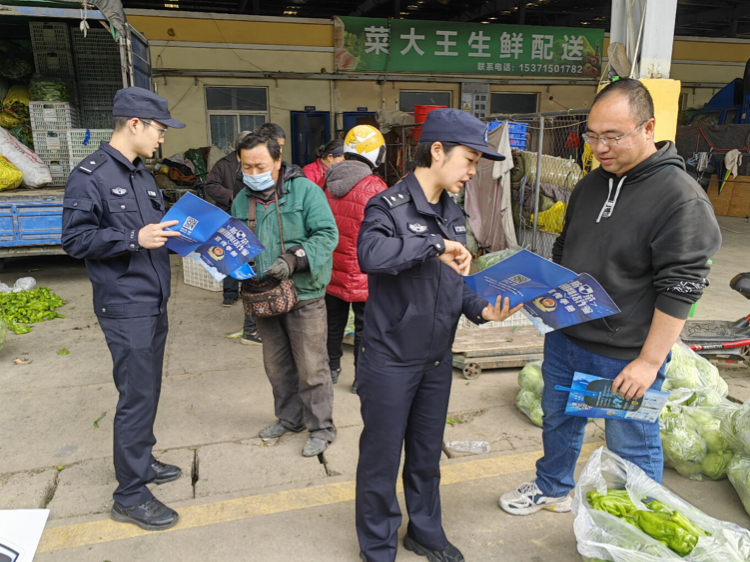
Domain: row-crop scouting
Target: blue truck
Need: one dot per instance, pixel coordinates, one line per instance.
(31, 219)
(729, 106)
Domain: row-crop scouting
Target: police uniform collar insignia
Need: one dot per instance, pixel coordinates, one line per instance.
(417, 228)
(460, 229)
(119, 191)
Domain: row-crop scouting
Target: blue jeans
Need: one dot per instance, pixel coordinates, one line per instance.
(562, 434)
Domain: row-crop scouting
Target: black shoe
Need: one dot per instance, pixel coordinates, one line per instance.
(354, 387)
(277, 429)
(335, 375)
(230, 301)
(152, 515)
(362, 556)
(165, 472)
(449, 554)
(251, 339)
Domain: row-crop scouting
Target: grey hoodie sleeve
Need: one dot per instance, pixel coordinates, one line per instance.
(680, 250)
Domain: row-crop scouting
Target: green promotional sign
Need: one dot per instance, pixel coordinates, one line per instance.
(381, 45)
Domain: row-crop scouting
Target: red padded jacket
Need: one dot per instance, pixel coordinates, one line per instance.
(316, 172)
(349, 186)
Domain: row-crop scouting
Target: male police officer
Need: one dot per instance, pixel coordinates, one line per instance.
(111, 218)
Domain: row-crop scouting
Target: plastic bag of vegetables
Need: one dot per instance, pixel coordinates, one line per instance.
(16, 102)
(651, 532)
(530, 404)
(10, 176)
(739, 475)
(692, 439)
(49, 88)
(735, 428)
(530, 377)
(3, 333)
(687, 369)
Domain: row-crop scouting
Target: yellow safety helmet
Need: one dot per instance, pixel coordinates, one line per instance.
(367, 142)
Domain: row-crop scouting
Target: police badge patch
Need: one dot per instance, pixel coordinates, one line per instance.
(417, 228)
(119, 191)
(459, 229)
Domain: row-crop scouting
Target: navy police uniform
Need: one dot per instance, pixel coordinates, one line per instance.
(108, 199)
(405, 365)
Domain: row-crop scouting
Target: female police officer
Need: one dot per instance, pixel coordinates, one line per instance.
(411, 245)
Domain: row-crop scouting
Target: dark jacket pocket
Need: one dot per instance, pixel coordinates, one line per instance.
(400, 321)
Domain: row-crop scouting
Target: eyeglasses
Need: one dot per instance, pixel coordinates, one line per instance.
(150, 123)
(609, 141)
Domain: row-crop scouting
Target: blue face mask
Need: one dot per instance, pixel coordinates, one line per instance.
(258, 182)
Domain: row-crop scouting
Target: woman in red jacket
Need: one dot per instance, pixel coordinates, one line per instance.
(328, 155)
(349, 186)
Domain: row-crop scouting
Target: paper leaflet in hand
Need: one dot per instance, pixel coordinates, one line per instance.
(224, 245)
(554, 297)
(592, 397)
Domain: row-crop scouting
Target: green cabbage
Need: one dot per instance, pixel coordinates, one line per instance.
(681, 443)
(531, 378)
(714, 465)
(735, 428)
(531, 405)
(738, 472)
(687, 369)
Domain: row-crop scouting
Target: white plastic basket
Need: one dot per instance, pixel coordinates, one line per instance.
(52, 115)
(59, 169)
(49, 36)
(197, 276)
(92, 137)
(51, 144)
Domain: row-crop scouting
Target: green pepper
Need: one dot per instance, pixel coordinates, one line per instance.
(688, 525)
(615, 502)
(656, 505)
(659, 527)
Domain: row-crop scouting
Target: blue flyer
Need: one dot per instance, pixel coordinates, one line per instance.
(522, 277)
(591, 397)
(224, 245)
(573, 302)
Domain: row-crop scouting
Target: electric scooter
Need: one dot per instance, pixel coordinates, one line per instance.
(722, 340)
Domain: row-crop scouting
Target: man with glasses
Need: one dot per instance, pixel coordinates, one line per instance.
(645, 230)
(112, 215)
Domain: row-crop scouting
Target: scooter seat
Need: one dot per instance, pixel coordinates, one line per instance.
(713, 331)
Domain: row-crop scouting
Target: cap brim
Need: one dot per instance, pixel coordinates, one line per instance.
(487, 152)
(173, 123)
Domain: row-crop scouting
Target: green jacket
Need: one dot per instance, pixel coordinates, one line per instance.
(307, 220)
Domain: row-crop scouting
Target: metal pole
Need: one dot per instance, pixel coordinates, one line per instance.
(537, 181)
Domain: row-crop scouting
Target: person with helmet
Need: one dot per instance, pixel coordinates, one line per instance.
(411, 245)
(349, 186)
(328, 154)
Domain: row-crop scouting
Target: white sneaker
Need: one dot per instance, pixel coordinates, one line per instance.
(528, 499)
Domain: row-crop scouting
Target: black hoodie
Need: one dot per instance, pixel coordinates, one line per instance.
(646, 237)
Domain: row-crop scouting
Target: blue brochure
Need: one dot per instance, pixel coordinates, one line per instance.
(224, 245)
(554, 297)
(591, 397)
(573, 302)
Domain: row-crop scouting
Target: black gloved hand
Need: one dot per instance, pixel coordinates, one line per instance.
(280, 269)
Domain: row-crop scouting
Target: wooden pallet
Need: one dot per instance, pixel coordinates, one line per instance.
(496, 348)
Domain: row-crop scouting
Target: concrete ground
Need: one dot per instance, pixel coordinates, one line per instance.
(242, 499)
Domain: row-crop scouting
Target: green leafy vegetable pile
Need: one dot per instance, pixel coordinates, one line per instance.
(49, 88)
(669, 527)
(20, 309)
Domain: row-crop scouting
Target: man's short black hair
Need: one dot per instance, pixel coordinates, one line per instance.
(272, 130)
(120, 122)
(423, 156)
(639, 98)
(256, 139)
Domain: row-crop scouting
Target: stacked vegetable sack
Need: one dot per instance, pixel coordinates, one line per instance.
(704, 435)
(17, 88)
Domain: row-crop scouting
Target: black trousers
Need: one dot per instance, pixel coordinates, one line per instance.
(338, 316)
(400, 408)
(137, 348)
(231, 287)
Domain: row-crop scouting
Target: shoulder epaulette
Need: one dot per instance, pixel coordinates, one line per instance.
(396, 199)
(90, 164)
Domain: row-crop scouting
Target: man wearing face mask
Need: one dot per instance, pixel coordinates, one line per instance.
(295, 355)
